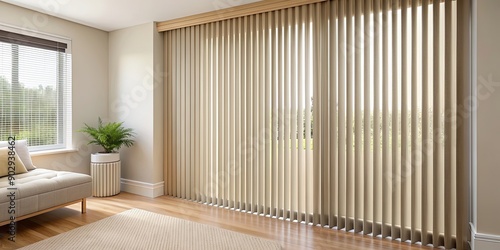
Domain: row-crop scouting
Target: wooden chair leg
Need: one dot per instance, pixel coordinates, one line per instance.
(84, 205)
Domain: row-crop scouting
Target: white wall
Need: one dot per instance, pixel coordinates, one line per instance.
(90, 78)
(135, 97)
(488, 124)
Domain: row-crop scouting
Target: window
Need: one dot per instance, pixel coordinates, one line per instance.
(35, 89)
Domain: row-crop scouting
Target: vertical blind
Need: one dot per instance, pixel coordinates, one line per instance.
(35, 90)
(338, 114)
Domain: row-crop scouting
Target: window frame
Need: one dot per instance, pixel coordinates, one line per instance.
(65, 124)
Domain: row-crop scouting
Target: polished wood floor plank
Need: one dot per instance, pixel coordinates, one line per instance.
(291, 235)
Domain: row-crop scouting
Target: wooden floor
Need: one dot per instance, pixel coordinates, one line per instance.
(290, 234)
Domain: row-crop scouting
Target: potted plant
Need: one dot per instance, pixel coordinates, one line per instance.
(105, 166)
(111, 137)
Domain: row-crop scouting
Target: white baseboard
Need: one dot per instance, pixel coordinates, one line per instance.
(142, 188)
(480, 241)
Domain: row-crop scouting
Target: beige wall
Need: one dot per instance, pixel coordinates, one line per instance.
(488, 117)
(158, 105)
(117, 76)
(90, 78)
(135, 97)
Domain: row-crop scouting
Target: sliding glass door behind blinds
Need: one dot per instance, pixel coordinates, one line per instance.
(329, 113)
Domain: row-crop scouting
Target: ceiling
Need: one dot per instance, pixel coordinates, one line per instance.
(111, 15)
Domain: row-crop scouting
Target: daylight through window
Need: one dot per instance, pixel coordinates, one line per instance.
(35, 90)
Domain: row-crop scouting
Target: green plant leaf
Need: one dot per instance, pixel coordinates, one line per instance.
(110, 136)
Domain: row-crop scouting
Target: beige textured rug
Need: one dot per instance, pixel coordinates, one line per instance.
(139, 229)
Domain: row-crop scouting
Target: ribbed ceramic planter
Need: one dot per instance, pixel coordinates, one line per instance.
(106, 171)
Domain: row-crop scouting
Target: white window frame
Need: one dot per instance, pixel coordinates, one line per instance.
(67, 130)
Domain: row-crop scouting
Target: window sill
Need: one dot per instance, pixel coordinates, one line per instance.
(54, 151)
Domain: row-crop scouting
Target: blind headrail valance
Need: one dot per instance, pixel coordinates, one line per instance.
(15, 38)
(225, 13)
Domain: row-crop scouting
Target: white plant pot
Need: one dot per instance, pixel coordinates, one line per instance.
(106, 172)
(104, 157)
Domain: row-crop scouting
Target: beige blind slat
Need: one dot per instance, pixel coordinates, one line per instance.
(185, 98)
(304, 142)
(180, 126)
(438, 195)
(293, 18)
(232, 115)
(342, 100)
(267, 41)
(350, 119)
(238, 140)
(320, 156)
(396, 189)
(464, 140)
(197, 133)
(386, 142)
(280, 112)
(450, 172)
(367, 174)
(332, 149)
(204, 85)
(300, 136)
(426, 146)
(189, 100)
(376, 191)
(274, 116)
(203, 64)
(226, 104)
(255, 117)
(262, 112)
(178, 117)
(415, 126)
(168, 122)
(405, 168)
(245, 115)
(358, 119)
(316, 78)
(218, 88)
(286, 19)
(213, 110)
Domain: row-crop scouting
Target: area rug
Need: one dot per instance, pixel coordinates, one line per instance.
(139, 229)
